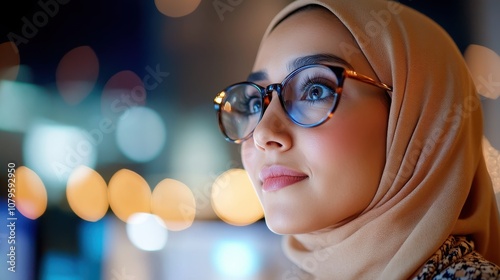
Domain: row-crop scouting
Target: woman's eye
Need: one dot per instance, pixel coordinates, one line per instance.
(253, 105)
(317, 92)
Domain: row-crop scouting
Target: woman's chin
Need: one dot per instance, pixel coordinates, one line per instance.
(286, 226)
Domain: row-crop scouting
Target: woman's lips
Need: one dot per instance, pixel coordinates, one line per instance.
(276, 177)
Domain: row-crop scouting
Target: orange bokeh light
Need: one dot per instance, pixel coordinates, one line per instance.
(128, 193)
(87, 194)
(234, 199)
(31, 195)
(175, 8)
(9, 61)
(174, 203)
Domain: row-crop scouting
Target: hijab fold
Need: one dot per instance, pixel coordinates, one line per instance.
(435, 182)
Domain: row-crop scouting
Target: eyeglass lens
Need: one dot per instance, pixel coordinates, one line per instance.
(308, 96)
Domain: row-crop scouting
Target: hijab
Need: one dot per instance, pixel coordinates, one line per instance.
(435, 182)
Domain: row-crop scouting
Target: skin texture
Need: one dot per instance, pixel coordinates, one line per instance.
(342, 159)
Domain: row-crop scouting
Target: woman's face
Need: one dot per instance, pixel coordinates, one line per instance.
(309, 179)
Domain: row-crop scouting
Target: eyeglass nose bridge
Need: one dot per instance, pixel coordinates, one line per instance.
(267, 95)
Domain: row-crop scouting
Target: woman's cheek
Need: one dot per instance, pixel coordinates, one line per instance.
(246, 153)
(248, 158)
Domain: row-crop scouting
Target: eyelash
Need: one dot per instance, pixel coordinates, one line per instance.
(316, 80)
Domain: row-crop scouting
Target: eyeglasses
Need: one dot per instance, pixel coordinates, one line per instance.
(308, 95)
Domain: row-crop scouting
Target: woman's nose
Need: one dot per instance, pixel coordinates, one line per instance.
(273, 130)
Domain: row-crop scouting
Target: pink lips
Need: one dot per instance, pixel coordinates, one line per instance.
(276, 177)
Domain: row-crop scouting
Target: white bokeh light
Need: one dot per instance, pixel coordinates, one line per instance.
(20, 104)
(200, 149)
(147, 231)
(140, 134)
(53, 151)
(235, 259)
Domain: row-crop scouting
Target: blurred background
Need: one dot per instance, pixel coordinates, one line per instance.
(108, 129)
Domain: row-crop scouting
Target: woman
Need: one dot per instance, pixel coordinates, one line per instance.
(361, 133)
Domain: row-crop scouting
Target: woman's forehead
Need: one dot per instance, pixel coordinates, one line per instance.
(303, 34)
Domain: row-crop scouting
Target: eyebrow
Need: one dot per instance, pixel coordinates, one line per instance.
(257, 76)
(316, 58)
(299, 62)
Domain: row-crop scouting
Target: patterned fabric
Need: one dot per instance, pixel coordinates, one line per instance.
(456, 259)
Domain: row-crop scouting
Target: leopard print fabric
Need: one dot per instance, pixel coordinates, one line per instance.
(456, 259)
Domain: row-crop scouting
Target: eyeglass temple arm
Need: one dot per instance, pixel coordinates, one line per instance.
(366, 79)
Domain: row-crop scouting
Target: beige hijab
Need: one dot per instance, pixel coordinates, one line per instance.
(435, 183)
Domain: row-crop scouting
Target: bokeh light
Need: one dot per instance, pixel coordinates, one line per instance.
(175, 8)
(174, 203)
(492, 157)
(123, 90)
(21, 104)
(31, 195)
(199, 150)
(199, 156)
(235, 259)
(234, 199)
(128, 193)
(87, 194)
(140, 134)
(147, 232)
(77, 74)
(53, 151)
(484, 65)
(9, 61)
